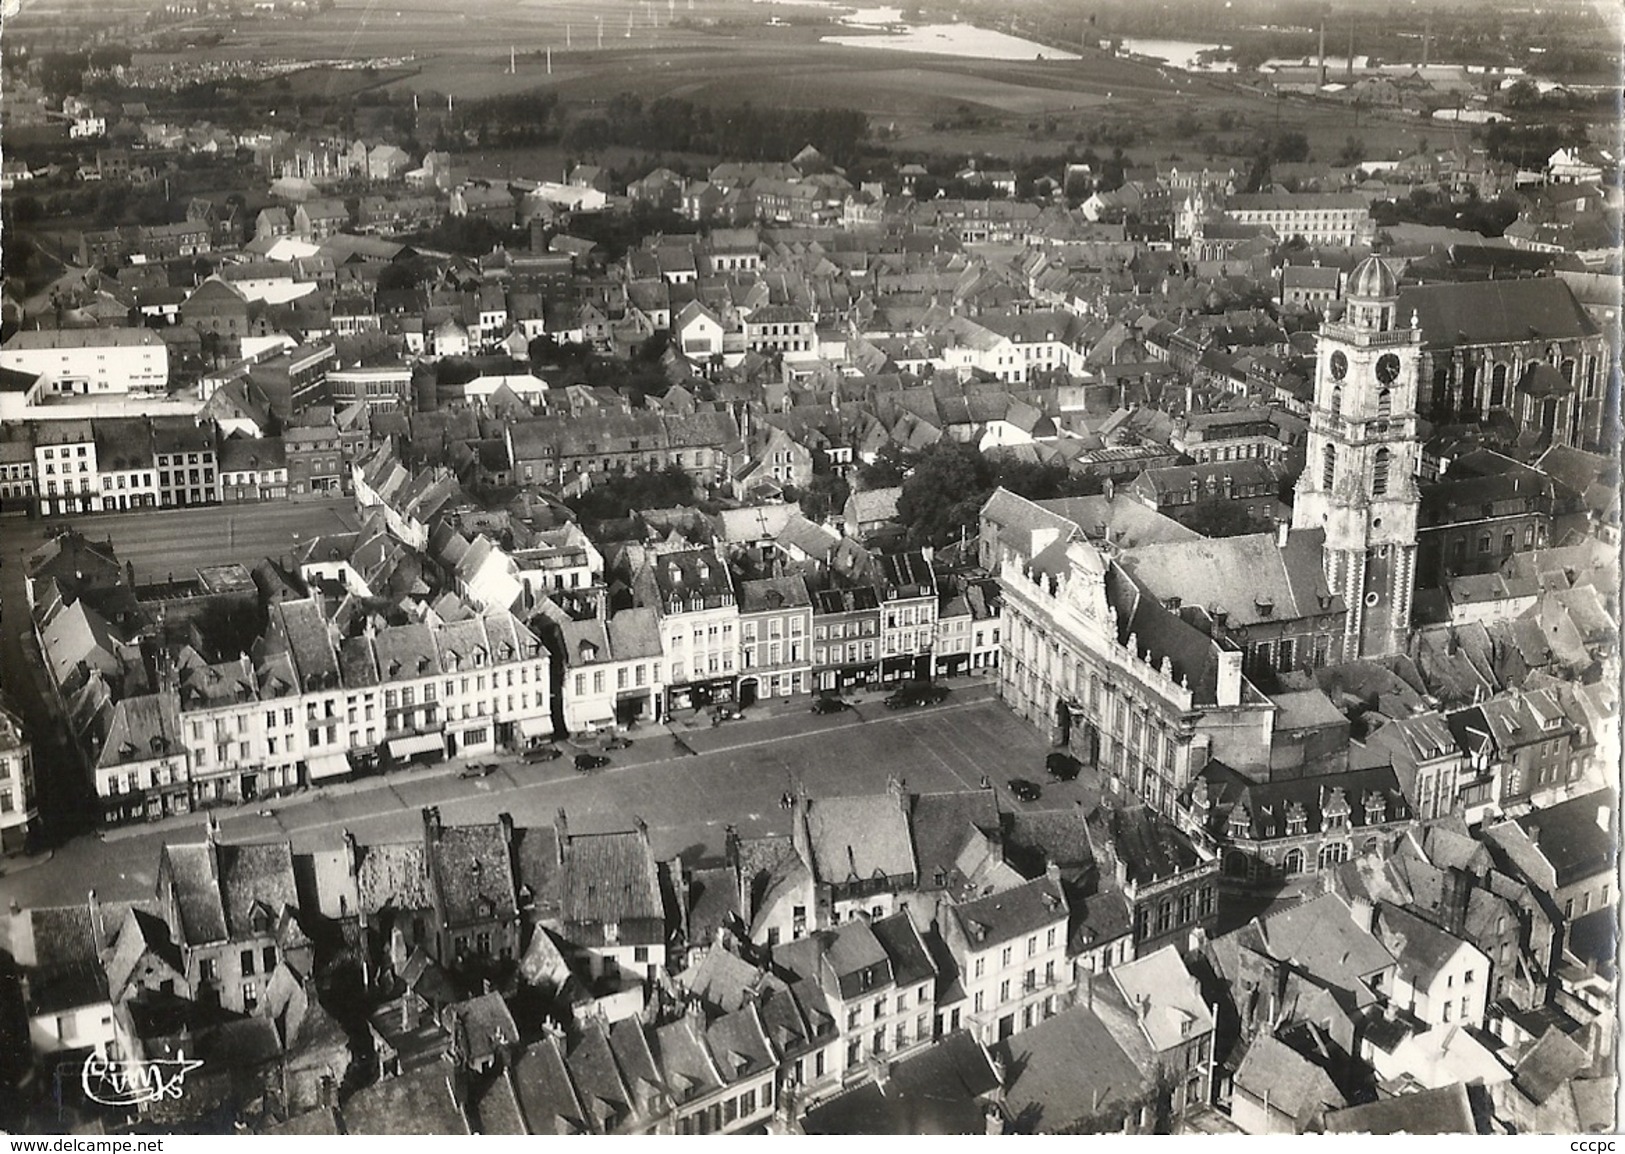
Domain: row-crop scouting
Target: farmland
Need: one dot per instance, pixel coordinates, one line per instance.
(724, 52)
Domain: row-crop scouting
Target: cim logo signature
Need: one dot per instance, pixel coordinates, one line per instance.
(113, 1083)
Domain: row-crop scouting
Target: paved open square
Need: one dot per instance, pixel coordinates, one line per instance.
(736, 777)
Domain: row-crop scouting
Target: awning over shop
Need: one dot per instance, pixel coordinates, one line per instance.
(400, 747)
(327, 765)
(592, 716)
(535, 727)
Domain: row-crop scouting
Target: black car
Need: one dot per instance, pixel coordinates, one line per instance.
(1025, 790)
(477, 769)
(543, 753)
(1063, 766)
(915, 693)
(615, 741)
(587, 762)
(830, 705)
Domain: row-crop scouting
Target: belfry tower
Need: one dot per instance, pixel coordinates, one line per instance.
(1359, 477)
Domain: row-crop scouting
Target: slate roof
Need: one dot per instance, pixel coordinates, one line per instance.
(1161, 981)
(1295, 1086)
(67, 972)
(937, 1091)
(416, 1102)
(1322, 938)
(480, 1027)
(684, 1059)
(392, 876)
(1553, 1060)
(191, 871)
(469, 866)
(1445, 1110)
(1498, 311)
(941, 823)
(738, 1045)
(607, 879)
(547, 1098)
(1010, 914)
(1420, 950)
(1572, 836)
(1250, 577)
(858, 838)
(602, 1091)
(1066, 1070)
(1163, 634)
(252, 876)
(910, 960)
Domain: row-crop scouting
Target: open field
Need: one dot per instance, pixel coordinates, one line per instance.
(723, 52)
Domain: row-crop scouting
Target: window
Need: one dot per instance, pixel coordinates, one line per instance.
(1448, 1008)
(981, 966)
(1004, 990)
(268, 956)
(247, 961)
(1328, 466)
(1004, 956)
(1379, 472)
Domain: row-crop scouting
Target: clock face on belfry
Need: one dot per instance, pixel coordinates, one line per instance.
(1340, 365)
(1388, 368)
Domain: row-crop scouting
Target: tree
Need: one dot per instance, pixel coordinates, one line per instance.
(949, 484)
(1219, 518)
(827, 493)
(1352, 152)
(1522, 94)
(397, 276)
(888, 468)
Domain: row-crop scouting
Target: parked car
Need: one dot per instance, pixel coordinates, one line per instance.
(916, 693)
(1063, 766)
(614, 741)
(477, 769)
(587, 762)
(1025, 790)
(543, 753)
(830, 705)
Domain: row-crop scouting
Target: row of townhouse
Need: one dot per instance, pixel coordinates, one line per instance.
(123, 463)
(116, 463)
(727, 641)
(316, 707)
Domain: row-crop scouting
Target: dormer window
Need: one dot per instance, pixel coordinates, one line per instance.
(1240, 822)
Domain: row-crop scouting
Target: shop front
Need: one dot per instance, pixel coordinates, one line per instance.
(635, 706)
(699, 694)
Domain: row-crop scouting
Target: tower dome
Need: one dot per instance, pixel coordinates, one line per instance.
(1372, 279)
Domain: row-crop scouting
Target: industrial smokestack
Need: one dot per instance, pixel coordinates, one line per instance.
(1322, 53)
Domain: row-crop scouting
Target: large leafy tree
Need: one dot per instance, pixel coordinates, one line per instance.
(941, 496)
